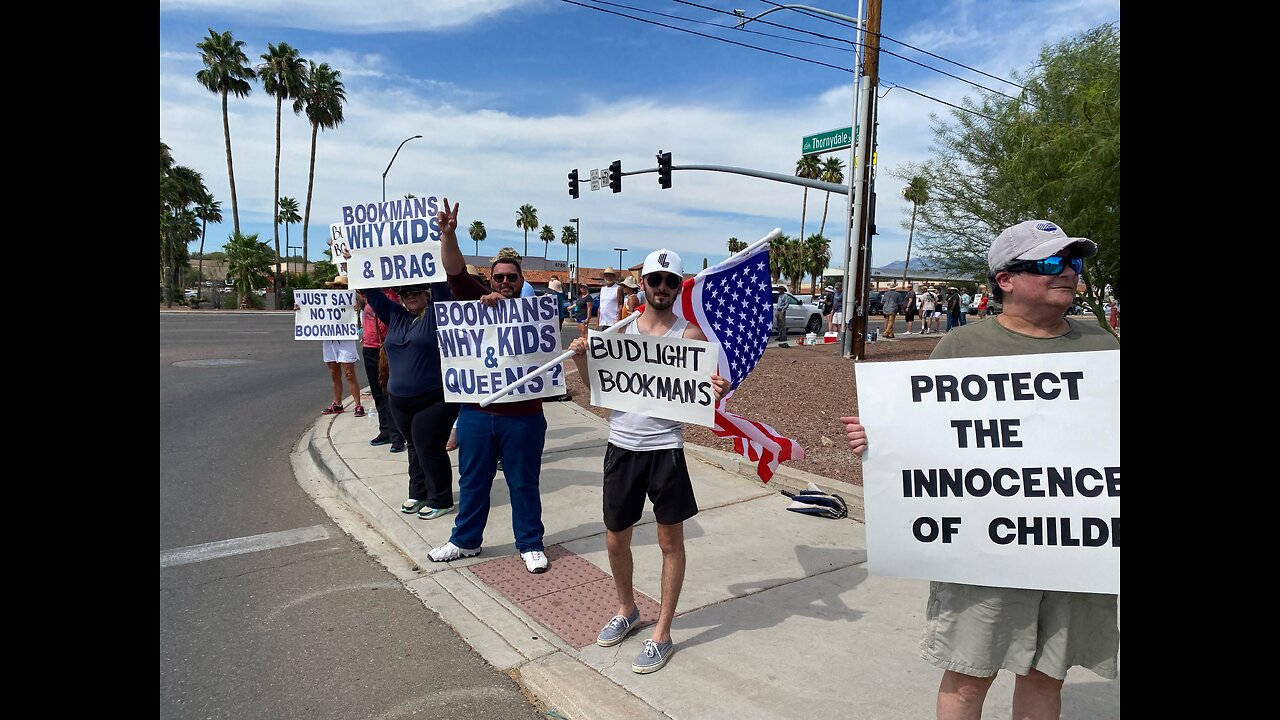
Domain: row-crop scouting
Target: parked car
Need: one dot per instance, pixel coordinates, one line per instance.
(190, 293)
(875, 303)
(260, 292)
(801, 316)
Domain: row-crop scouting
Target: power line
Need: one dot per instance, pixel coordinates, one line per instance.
(722, 27)
(944, 102)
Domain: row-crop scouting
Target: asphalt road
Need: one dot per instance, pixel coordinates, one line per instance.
(307, 624)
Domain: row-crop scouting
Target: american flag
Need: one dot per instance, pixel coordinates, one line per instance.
(732, 304)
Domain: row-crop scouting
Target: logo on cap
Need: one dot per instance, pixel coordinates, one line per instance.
(1046, 226)
(662, 260)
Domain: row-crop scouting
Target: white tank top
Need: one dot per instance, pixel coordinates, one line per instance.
(637, 432)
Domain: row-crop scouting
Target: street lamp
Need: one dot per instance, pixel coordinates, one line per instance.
(577, 249)
(620, 251)
(393, 159)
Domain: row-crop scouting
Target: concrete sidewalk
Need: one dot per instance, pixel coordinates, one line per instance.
(777, 619)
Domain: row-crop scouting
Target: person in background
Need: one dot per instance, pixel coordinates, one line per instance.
(416, 393)
(928, 306)
(982, 304)
(645, 457)
(966, 304)
(373, 334)
(972, 632)
(629, 302)
(554, 286)
(340, 356)
(610, 296)
(892, 304)
(909, 307)
(582, 309)
(952, 306)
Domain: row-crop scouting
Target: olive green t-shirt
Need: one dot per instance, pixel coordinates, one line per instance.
(989, 337)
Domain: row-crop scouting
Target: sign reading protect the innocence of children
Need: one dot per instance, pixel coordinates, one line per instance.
(396, 242)
(662, 377)
(1001, 471)
(484, 349)
(325, 315)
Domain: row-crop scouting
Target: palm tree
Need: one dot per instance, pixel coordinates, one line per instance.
(736, 246)
(569, 237)
(527, 219)
(779, 248)
(808, 166)
(817, 252)
(832, 172)
(547, 237)
(226, 70)
(289, 215)
(322, 97)
(478, 233)
(247, 261)
(180, 186)
(179, 228)
(282, 73)
(208, 210)
(917, 191)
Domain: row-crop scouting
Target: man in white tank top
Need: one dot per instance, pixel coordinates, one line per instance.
(645, 456)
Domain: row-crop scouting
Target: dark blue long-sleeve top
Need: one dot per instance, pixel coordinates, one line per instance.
(412, 349)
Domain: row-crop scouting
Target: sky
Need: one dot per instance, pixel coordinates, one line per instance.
(510, 95)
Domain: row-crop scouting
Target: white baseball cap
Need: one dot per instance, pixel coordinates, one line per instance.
(1035, 240)
(663, 261)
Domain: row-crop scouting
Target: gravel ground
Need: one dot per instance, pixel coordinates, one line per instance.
(802, 392)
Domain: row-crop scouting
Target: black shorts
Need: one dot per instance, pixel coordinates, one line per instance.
(630, 475)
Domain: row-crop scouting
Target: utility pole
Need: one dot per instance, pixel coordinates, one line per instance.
(856, 291)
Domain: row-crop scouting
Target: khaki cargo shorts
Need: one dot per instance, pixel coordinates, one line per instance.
(978, 630)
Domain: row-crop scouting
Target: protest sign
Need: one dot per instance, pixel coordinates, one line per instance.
(338, 249)
(325, 315)
(391, 243)
(483, 349)
(661, 377)
(1001, 471)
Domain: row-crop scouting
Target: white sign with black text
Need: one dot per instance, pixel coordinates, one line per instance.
(483, 349)
(391, 243)
(325, 315)
(1000, 471)
(661, 377)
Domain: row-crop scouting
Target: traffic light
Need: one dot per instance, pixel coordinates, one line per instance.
(664, 170)
(573, 184)
(615, 176)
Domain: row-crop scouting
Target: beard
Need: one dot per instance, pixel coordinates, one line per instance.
(662, 303)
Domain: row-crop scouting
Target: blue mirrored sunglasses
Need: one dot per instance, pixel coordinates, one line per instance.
(1048, 266)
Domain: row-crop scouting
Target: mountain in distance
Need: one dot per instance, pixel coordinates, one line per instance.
(916, 263)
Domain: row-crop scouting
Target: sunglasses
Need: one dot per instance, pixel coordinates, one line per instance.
(1048, 266)
(657, 280)
(506, 277)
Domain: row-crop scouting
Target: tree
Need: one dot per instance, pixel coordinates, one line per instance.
(180, 187)
(547, 237)
(478, 233)
(248, 261)
(568, 236)
(282, 73)
(527, 219)
(1052, 153)
(917, 193)
(208, 210)
(784, 254)
(322, 97)
(832, 172)
(808, 166)
(736, 245)
(816, 254)
(288, 214)
(226, 70)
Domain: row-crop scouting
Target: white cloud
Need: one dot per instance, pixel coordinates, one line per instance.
(340, 16)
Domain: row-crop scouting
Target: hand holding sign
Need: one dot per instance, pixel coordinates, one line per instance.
(857, 435)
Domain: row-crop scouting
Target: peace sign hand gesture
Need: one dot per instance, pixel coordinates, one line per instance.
(448, 219)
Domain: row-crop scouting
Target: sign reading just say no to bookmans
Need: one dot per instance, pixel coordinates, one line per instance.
(325, 315)
(1000, 471)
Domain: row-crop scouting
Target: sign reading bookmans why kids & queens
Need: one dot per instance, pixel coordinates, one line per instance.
(661, 377)
(483, 349)
(1018, 484)
(325, 315)
(396, 242)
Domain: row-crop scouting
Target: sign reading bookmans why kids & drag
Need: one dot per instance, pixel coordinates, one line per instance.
(396, 242)
(325, 315)
(1001, 471)
(662, 377)
(484, 349)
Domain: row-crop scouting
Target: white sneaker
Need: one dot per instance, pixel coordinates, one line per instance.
(907, 332)
(449, 552)
(535, 561)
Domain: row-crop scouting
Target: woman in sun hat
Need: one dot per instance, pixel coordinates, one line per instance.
(341, 356)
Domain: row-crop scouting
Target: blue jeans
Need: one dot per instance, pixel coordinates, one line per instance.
(519, 439)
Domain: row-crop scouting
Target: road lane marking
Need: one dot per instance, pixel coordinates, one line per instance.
(242, 545)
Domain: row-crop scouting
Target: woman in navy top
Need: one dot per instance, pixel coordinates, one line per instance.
(417, 394)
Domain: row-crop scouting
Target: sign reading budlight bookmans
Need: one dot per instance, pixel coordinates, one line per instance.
(1000, 471)
(325, 315)
(483, 349)
(396, 242)
(661, 377)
